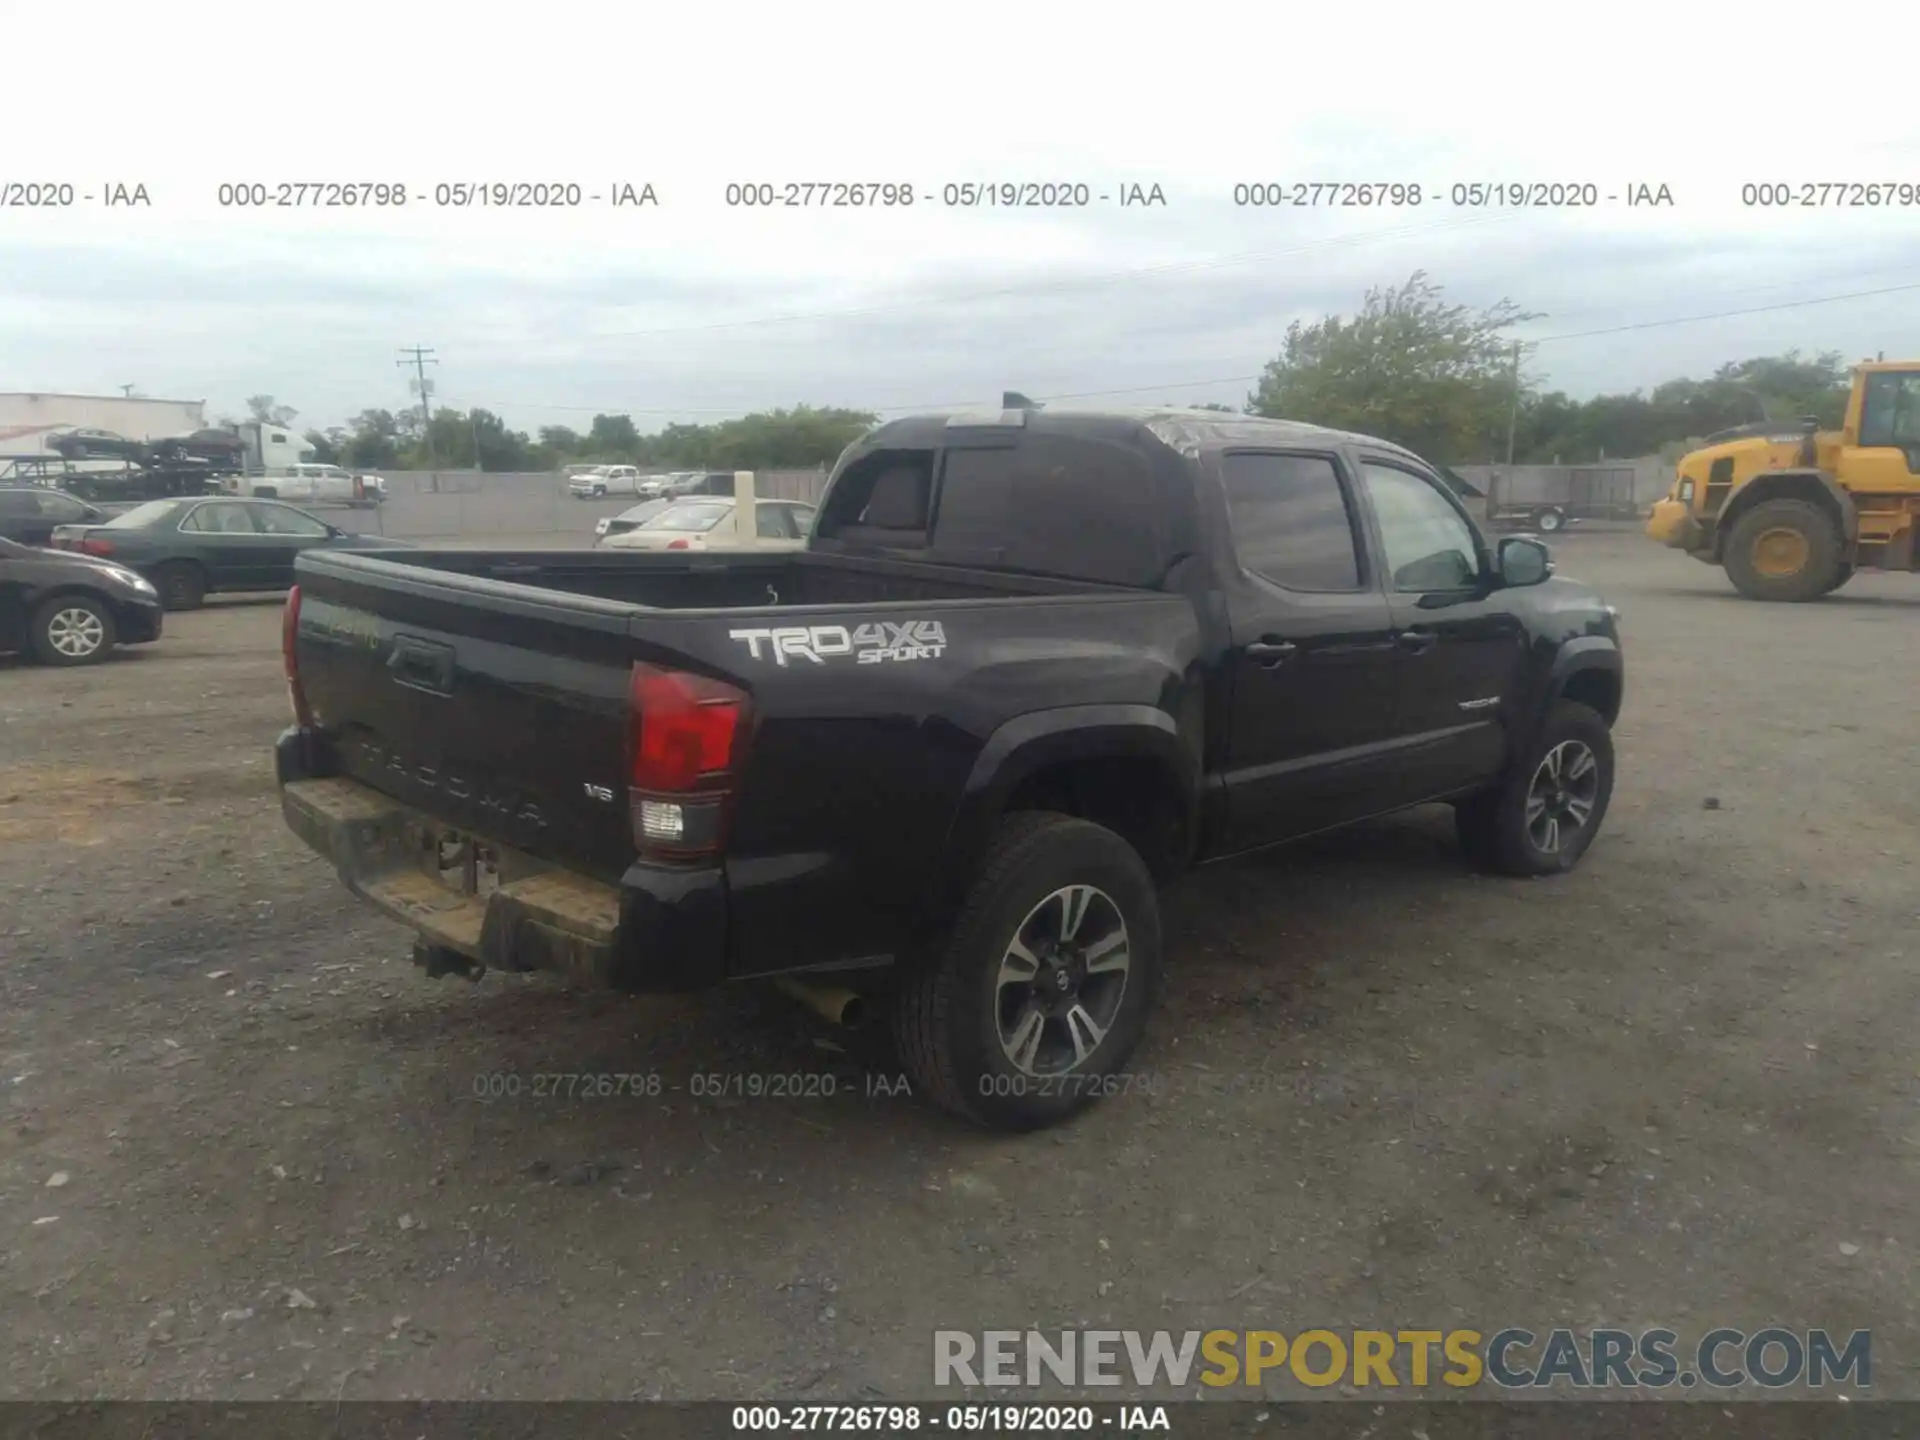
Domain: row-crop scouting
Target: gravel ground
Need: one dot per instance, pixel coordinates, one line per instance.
(1677, 1087)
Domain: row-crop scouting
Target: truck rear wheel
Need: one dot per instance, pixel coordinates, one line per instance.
(1027, 1011)
(1787, 550)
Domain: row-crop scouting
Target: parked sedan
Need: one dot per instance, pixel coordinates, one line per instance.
(72, 609)
(628, 519)
(29, 513)
(190, 548)
(706, 522)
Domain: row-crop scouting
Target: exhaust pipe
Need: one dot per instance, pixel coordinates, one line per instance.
(829, 1002)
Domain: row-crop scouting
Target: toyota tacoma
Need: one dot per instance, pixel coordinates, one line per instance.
(1031, 664)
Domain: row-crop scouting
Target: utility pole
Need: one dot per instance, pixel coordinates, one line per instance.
(419, 357)
(1513, 411)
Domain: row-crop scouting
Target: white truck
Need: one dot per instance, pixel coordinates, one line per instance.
(599, 480)
(310, 484)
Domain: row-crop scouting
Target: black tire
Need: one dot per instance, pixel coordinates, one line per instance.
(1495, 830)
(1846, 574)
(1550, 521)
(73, 629)
(1822, 561)
(952, 1013)
(182, 585)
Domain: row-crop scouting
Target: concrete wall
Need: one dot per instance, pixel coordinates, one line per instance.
(449, 504)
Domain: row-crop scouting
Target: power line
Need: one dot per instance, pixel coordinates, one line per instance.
(498, 406)
(1727, 314)
(1545, 340)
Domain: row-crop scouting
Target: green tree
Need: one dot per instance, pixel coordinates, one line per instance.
(613, 437)
(1409, 367)
(324, 449)
(1679, 413)
(375, 440)
(263, 409)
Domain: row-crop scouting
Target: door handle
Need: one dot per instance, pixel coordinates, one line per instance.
(1272, 653)
(1418, 642)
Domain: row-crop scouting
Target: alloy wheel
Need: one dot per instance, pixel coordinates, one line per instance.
(1061, 981)
(76, 632)
(1561, 797)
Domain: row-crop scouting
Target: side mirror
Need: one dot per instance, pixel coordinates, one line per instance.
(1523, 562)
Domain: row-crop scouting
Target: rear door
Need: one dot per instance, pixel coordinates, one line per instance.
(1313, 668)
(1463, 648)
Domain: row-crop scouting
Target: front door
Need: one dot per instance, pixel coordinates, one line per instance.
(1312, 668)
(1887, 457)
(234, 552)
(1463, 651)
(284, 533)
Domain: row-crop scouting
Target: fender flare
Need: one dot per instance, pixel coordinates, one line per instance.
(1027, 743)
(1581, 654)
(1777, 479)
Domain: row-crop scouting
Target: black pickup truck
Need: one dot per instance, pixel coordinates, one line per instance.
(1032, 663)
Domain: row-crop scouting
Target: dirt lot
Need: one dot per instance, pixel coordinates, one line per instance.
(1675, 1088)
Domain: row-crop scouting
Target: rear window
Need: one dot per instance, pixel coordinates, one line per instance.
(143, 515)
(687, 517)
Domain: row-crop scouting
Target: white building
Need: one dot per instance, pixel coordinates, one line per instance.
(27, 420)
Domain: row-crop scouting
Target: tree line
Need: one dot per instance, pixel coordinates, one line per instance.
(1448, 382)
(478, 439)
(1444, 380)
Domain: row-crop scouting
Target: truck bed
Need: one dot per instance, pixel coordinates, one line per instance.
(713, 581)
(489, 693)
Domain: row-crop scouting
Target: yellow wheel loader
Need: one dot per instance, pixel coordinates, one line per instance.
(1791, 516)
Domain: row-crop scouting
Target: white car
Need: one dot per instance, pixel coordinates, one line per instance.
(708, 522)
(627, 519)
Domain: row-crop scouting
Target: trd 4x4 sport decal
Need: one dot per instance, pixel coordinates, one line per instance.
(870, 644)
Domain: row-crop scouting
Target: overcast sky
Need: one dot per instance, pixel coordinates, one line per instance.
(693, 310)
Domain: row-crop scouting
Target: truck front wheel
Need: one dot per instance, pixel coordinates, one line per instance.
(1030, 1008)
(1786, 550)
(1540, 819)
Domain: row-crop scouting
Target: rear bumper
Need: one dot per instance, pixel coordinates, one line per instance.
(659, 929)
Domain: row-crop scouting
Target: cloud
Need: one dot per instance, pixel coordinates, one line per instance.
(699, 308)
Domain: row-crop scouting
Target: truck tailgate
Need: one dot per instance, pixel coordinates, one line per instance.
(519, 737)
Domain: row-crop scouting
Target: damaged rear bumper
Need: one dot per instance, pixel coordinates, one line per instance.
(659, 929)
(553, 920)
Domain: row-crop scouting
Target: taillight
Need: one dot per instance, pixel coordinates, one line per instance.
(678, 545)
(290, 659)
(91, 546)
(688, 744)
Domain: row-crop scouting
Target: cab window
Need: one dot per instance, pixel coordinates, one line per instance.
(1429, 545)
(1890, 410)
